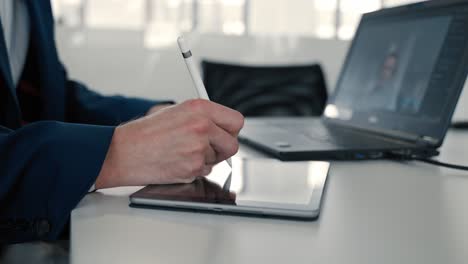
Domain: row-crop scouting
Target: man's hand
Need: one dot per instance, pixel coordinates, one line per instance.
(173, 145)
(156, 108)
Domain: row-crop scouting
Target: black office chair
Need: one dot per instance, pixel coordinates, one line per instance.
(267, 90)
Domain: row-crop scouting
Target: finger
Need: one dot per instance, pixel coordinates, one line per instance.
(223, 143)
(210, 156)
(207, 170)
(226, 118)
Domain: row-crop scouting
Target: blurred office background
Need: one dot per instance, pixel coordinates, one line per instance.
(128, 47)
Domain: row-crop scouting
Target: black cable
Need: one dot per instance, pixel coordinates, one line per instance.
(460, 125)
(442, 164)
(399, 156)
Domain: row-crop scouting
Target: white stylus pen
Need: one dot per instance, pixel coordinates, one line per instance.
(197, 81)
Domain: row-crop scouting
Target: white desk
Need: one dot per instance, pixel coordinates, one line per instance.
(373, 212)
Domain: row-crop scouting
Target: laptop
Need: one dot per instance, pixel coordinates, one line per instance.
(254, 187)
(396, 93)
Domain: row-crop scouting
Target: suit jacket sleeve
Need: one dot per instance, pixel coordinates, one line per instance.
(86, 106)
(46, 168)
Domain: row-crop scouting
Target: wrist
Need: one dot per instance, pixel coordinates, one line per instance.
(157, 108)
(108, 175)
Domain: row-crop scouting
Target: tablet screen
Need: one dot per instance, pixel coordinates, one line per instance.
(250, 182)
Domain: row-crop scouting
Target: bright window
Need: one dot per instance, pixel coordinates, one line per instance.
(160, 18)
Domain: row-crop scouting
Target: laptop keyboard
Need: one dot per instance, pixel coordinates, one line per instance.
(318, 133)
(288, 131)
(315, 131)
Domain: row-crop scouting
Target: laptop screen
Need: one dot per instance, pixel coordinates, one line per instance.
(405, 70)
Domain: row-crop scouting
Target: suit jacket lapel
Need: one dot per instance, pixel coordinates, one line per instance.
(4, 62)
(42, 41)
(13, 110)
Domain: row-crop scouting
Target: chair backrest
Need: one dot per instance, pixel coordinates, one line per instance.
(267, 90)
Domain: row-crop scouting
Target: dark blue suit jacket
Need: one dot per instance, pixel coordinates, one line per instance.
(47, 166)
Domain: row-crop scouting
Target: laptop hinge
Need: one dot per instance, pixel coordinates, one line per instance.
(424, 141)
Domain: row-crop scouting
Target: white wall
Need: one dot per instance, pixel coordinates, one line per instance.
(118, 61)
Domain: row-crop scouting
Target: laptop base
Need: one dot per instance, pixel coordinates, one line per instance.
(297, 139)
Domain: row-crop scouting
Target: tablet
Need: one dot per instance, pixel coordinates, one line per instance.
(259, 187)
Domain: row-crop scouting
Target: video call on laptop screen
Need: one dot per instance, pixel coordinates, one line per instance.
(401, 69)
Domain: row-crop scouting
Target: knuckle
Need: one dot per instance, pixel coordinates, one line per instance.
(196, 104)
(199, 148)
(200, 125)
